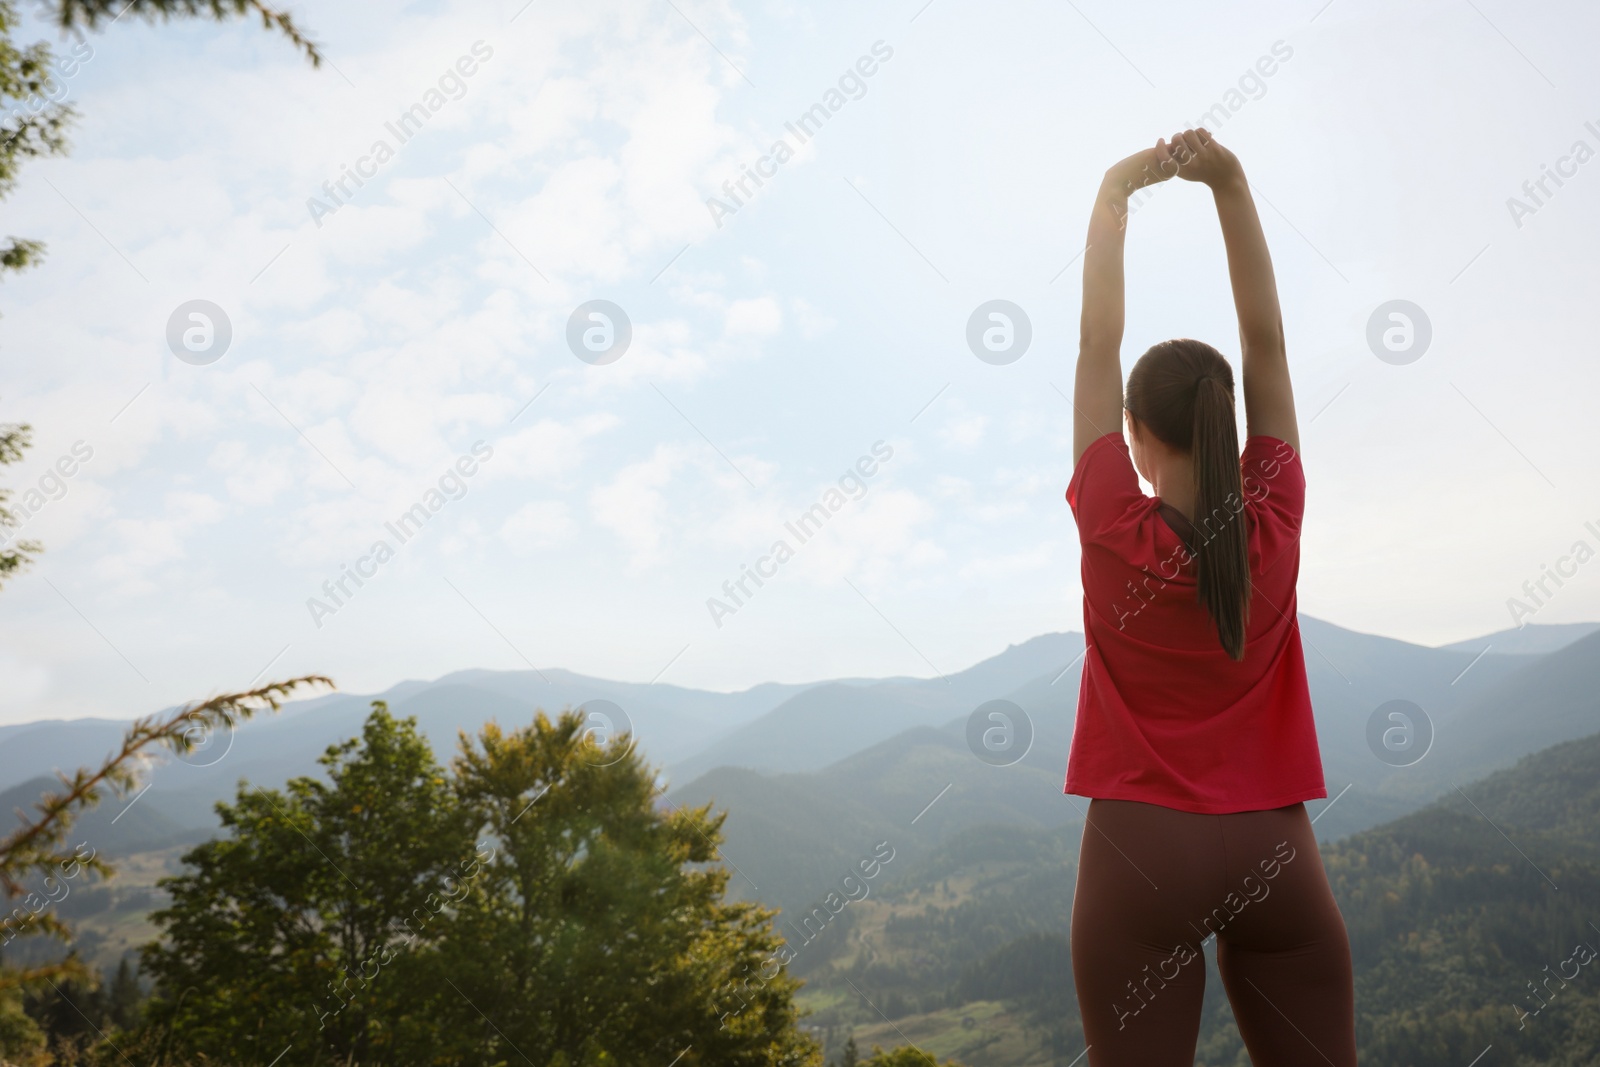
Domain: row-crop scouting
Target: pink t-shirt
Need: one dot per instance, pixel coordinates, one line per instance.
(1164, 715)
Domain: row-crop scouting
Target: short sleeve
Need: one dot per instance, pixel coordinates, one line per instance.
(1104, 488)
(1274, 483)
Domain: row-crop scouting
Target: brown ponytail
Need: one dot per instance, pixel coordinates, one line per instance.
(1182, 392)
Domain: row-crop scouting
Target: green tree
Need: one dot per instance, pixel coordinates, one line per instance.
(562, 918)
(124, 997)
(67, 1015)
(604, 935)
(301, 926)
(21, 1041)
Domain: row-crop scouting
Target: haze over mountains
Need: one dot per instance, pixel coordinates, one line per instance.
(799, 759)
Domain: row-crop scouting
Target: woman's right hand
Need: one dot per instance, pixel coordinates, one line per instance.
(1201, 158)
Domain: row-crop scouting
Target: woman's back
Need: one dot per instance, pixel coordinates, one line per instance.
(1165, 715)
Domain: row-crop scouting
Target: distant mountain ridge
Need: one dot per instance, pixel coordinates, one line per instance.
(1535, 639)
(828, 722)
(812, 729)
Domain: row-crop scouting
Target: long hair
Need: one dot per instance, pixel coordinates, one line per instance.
(1182, 392)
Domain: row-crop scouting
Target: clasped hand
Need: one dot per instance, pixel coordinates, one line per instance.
(1193, 155)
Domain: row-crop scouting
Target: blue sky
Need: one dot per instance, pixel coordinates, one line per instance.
(373, 346)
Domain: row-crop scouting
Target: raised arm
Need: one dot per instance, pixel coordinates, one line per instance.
(1268, 396)
(1097, 388)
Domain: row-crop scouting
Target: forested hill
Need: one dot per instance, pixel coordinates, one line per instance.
(1476, 920)
(1452, 912)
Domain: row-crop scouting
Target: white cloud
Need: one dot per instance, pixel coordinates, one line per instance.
(253, 479)
(813, 323)
(538, 524)
(964, 430)
(146, 545)
(634, 507)
(756, 317)
(546, 450)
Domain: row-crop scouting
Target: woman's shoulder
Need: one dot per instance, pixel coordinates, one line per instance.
(1262, 446)
(1271, 467)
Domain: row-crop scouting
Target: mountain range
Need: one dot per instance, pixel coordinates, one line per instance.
(810, 772)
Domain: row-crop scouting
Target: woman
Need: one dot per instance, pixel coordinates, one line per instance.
(1194, 734)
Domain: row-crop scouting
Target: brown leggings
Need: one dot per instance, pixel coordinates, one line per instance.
(1154, 882)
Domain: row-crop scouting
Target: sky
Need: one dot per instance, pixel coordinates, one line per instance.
(396, 318)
